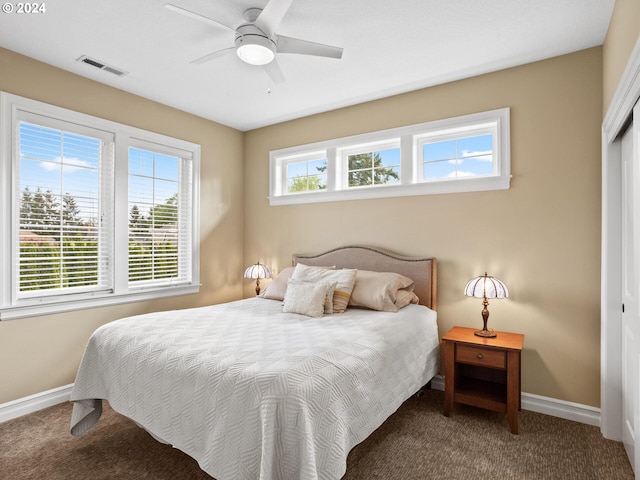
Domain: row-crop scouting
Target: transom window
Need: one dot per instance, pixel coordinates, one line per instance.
(370, 165)
(306, 174)
(461, 154)
(457, 157)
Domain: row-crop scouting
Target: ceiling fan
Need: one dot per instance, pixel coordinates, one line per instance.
(256, 41)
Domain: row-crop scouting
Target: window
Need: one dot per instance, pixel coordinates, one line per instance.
(159, 204)
(465, 152)
(59, 236)
(307, 173)
(461, 154)
(93, 212)
(371, 165)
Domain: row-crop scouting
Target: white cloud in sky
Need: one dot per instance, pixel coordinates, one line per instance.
(461, 173)
(70, 164)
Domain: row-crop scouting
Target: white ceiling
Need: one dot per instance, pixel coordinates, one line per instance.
(390, 47)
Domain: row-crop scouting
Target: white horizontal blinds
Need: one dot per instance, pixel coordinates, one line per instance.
(63, 235)
(160, 208)
(185, 220)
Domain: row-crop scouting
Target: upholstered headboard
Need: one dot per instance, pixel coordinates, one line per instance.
(420, 269)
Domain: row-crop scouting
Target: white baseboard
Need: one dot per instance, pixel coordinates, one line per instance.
(35, 402)
(534, 403)
(561, 408)
(549, 406)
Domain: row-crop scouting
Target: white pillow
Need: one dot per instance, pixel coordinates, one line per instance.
(328, 297)
(345, 279)
(305, 298)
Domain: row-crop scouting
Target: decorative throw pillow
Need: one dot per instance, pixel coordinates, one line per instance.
(328, 298)
(277, 288)
(384, 291)
(344, 278)
(305, 298)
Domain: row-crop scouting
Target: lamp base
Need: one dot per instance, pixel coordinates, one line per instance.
(485, 333)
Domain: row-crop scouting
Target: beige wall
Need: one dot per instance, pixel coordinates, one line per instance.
(542, 236)
(622, 36)
(40, 353)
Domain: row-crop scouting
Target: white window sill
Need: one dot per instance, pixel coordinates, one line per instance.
(384, 191)
(46, 306)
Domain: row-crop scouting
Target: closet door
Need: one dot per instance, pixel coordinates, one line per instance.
(631, 287)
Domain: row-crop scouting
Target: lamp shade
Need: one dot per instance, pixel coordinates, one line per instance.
(486, 286)
(257, 271)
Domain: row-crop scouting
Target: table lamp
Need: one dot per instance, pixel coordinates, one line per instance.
(257, 271)
(485, 287)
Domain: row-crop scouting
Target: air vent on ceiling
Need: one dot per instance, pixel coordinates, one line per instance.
(101, 66)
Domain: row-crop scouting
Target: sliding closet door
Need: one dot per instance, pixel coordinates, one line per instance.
(631, 287)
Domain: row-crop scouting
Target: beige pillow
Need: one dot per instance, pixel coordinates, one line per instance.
(384, 291)
(344, 278)
(305, 298)
(328, 298)
(277, 288)
(405, 298)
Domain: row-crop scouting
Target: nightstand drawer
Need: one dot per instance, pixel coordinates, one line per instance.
(485, 357)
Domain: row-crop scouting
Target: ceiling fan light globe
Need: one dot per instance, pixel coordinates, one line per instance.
(255, 49)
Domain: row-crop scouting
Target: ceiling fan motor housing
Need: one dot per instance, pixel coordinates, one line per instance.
(253, 46)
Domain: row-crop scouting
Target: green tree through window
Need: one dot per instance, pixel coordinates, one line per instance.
(367, 169)
(57, 248)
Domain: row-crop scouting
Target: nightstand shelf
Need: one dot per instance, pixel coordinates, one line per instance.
(483, 372)
(480, 393)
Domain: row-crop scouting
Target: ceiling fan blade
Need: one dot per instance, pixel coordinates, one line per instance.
(304, 47)
(196, 16)
(274, 72)
(272, 15)
(213, 55)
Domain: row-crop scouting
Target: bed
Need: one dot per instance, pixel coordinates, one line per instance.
(251, 390)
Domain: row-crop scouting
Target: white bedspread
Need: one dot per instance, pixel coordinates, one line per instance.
(251, 392)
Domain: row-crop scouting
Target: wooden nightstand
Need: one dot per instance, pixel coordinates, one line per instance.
(483, 372)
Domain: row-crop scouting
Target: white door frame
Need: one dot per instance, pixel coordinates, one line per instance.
(626, 95)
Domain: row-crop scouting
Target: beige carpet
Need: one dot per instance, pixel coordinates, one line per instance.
(417, 442)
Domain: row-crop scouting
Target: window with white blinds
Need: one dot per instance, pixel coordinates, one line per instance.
(159, 209)
(64, 177)
(92, 212)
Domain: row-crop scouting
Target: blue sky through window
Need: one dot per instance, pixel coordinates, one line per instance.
(62, 163)
(153, 178)
(309, 169)
(67, 163)
(463, 157)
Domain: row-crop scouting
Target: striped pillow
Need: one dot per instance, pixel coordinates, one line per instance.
(345, 279)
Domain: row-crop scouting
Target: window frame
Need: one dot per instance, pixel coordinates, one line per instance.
(11, 108)
(344, 153)
(304, 157)
(105, 195)
(411, 181)
(183, 251)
